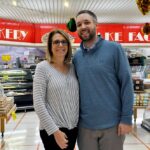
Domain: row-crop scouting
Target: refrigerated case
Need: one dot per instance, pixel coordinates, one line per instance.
(18, 83)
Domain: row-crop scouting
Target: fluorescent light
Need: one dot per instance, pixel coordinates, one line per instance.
(14, 2)
(66, 4)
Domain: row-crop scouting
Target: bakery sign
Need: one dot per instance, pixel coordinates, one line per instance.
(34, 33)
(16, 31)
(13, 34)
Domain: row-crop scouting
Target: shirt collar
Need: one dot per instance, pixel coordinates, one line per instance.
(90, 48)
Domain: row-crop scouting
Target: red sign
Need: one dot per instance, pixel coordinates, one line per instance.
(16, 31)
(28, 32)
(41, 29)
(123, 33)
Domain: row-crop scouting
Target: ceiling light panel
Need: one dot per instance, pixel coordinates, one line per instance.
(54, 11)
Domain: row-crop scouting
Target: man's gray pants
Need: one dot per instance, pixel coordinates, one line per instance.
(106, 139)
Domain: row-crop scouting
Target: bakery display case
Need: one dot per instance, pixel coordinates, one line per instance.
(18, 83)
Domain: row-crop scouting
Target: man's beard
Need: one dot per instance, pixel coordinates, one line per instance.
(91, 36)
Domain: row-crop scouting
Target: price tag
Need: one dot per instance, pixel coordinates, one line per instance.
(13, 114)
(6, 58)
(5, 77)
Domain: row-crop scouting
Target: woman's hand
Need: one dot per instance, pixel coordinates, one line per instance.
(61, 139)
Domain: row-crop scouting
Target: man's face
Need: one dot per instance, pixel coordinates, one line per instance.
(86, 27)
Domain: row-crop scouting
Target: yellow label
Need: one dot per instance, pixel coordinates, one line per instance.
(148, 76)
(6, 58)
(13, 114)
(5, 77)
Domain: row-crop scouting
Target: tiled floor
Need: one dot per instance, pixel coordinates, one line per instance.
(22, 134)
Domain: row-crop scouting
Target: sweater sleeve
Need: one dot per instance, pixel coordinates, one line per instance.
(39, 99)
(126, 85)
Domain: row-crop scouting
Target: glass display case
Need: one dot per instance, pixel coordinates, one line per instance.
(18, 83)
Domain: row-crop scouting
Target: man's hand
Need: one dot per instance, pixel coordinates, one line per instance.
(124, 129)
(61, 139)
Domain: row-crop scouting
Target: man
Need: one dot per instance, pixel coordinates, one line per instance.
(106, 90)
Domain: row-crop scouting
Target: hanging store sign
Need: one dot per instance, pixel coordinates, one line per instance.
(124, 33)
(16, 31)
(11, 34)
(135, 37)
(33, 33)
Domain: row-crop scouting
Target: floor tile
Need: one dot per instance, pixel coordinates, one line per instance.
(135, 147)
(23, 134)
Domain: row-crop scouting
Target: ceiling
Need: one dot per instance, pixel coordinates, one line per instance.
(54, 11)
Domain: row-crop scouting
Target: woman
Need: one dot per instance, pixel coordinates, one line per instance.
(56, 94)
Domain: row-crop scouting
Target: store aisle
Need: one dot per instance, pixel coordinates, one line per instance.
(22, 134)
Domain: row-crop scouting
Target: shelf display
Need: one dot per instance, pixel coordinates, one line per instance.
(141, 99)
(6, 103)
(18, 83)
(7, 107)
(140, 68)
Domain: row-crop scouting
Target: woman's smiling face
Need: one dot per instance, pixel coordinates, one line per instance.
(59, 46)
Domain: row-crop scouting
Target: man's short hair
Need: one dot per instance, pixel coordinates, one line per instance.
(87, 12)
